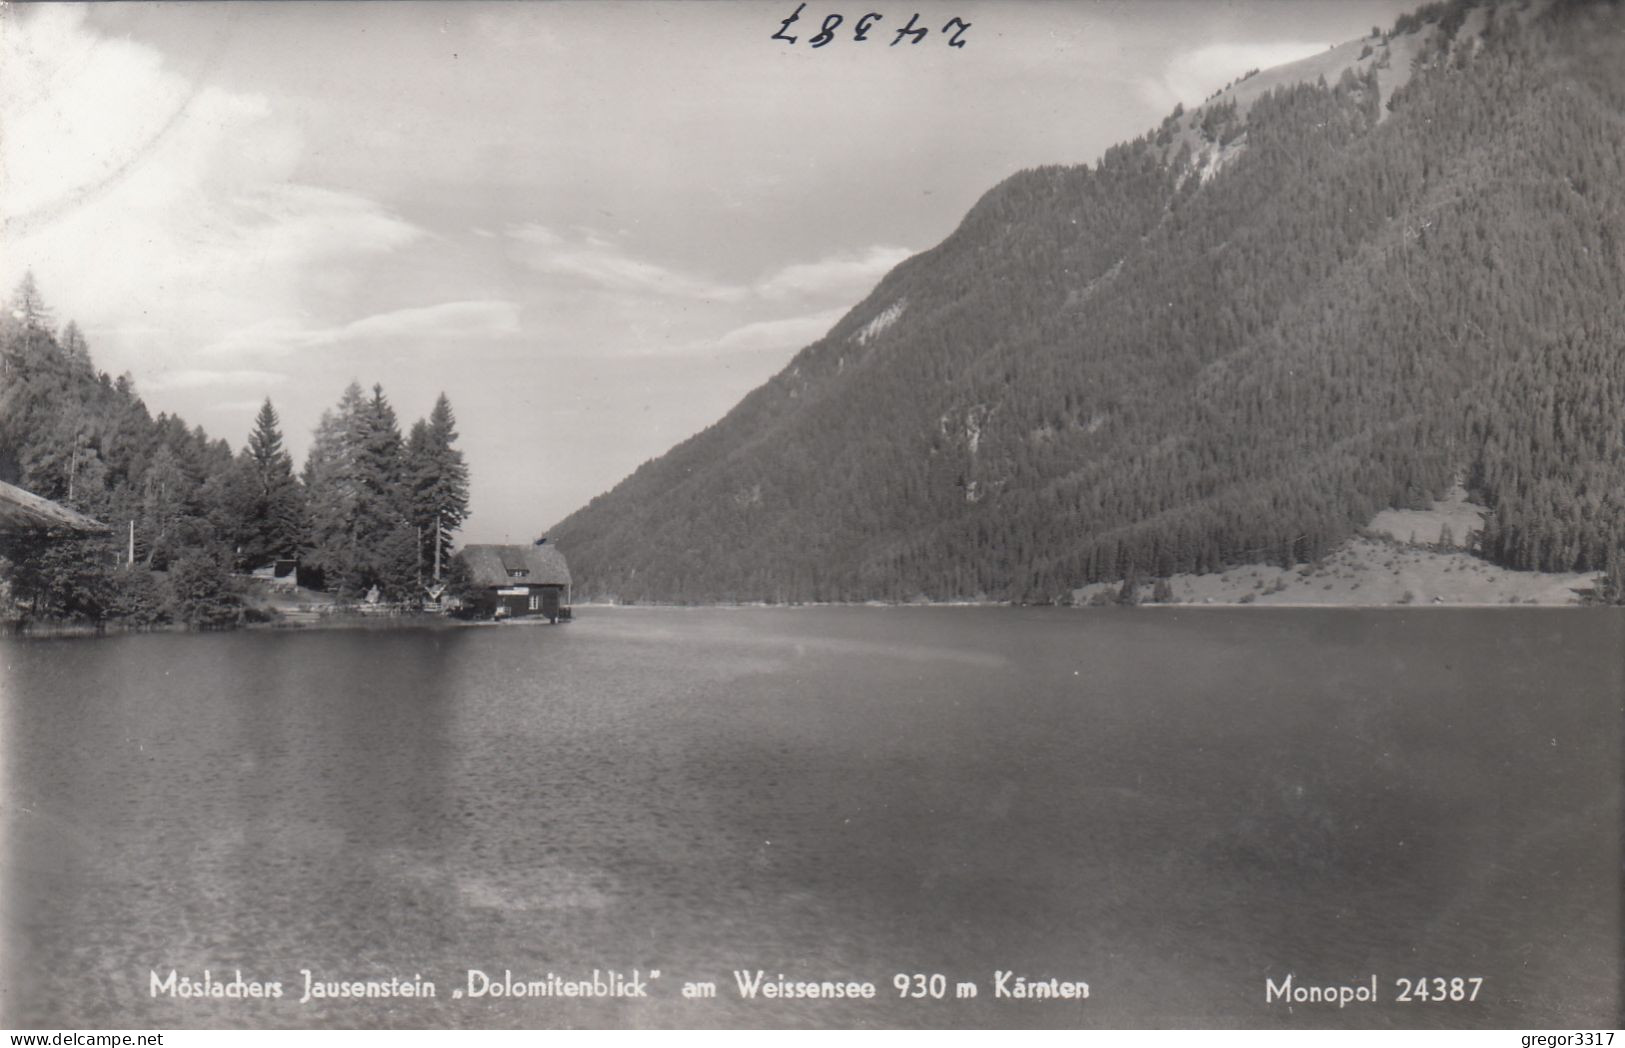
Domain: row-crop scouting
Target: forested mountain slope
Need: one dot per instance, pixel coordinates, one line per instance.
(1233, 340)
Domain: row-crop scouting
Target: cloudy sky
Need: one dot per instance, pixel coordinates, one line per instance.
(594, 225)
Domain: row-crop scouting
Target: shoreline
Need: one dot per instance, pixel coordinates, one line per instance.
(111, 628)
(48, 631)
(1171, 605)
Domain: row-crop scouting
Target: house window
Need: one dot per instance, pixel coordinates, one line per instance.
(535, 601)
(518, 573)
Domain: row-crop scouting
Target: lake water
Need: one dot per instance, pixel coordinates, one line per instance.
(1173, 806)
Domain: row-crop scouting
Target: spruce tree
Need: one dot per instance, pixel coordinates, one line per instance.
(332, 492)
(439, 479)
(386, 542)
(273, 523)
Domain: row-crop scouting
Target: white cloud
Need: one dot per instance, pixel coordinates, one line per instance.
(588, 256)
(1192, 75)
(850, 273)
(536, 234)
(155, 209)
(786, 333)
(458, 321)
(237, 406)
(593, 260)
(202, 378)
(656, 311)
(477, 319)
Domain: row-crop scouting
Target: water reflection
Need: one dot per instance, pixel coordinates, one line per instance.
(1171, 805)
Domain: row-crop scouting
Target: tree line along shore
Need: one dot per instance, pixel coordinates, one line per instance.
(371, 513)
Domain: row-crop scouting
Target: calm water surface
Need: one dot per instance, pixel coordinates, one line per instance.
(1172, 805)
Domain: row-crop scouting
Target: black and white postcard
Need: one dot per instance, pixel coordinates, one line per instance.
(853, 515)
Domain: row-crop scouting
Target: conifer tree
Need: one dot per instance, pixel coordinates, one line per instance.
(76, 348)
(332, 492)
(272, 509)
(439, 479)
(28, 305)
(387, 553)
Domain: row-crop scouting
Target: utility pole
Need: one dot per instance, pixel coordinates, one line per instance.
(437, 546)
(132, 545)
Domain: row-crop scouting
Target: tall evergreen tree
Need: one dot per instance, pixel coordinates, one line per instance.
(439, 479)
(380, 468)
(332, 492)
(28, 305)
(386, 540)
(273, 511)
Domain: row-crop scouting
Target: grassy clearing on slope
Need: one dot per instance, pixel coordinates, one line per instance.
(1382, 566)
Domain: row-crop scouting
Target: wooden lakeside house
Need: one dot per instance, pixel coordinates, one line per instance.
(518, 581)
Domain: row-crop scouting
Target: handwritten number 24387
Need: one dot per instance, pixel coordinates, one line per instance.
(860, 29)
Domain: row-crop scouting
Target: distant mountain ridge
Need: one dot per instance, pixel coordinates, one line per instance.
(1233, 340)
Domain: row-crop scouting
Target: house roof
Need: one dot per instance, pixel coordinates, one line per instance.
(25, 511)
(489, 565)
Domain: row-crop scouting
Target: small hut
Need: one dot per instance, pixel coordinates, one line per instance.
(518, 581)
